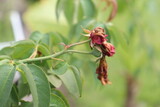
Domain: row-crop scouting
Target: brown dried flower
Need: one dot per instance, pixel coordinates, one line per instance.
(99, 41)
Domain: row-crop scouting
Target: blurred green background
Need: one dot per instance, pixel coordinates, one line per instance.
(135, 34)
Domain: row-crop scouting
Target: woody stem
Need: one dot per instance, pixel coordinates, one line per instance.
(78, 43)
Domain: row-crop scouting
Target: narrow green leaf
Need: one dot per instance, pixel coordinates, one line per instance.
(26, 104)
(4, 57)
(108, 33)
(60, 68)
(36, 36)
(59, 7)
(77, 30)
(54, 41)
(59, 94)
(55, 81)
(96, 53)
(9, 103)
(38, 84)
(23, 88)
(71, 82)
(117, 37)
(56, 101)
(45, 52)
(5, 61)
(69, 10)
(23, 49)
(7, 51)
(14, 95)
(78, 78)
(80, 12)
(50, 41)
(88, 8)
(7, 73)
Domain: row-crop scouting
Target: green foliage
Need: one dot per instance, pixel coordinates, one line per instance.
(88, 7)
(60, 68)
(37, 76)
(70, 82)
(38, 84)
(75, 11)
(23, 49)
(57, 99)
(7, 72)
(60, 95)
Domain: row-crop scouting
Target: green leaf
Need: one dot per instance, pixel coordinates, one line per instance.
(45, 52)
(56, 101)
(69, 10)
(88, 8)
(117, 37)
(36, 36)
(14, 95)
(60, 95)
(78, 78)
(7, 51)
(60, 68)
(26, 104)
(9, 103)
(54, 40)
(54, 80)
(5, 61)
(23, 49)
(50, 40)
(96, 53)
(59, 7)
(108, 33)
(7, 73)
(38, 84)
(23, 88)
(71, 81)
(77, 30)
(4, 57)
(80, 12)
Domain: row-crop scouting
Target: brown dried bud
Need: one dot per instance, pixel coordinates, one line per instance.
(108, 49)
(103, 72)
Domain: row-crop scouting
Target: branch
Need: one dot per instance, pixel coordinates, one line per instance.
(53, 55)
(81, 52)
(42, 58)
(78, 43)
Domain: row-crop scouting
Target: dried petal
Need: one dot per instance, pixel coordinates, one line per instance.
(99, 30)
(86, 30)
(97, 36)
(108, 49)
(102, 71)
(97, 39)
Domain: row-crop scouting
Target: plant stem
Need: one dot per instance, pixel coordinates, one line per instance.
(43, 58)
(78, 43)
(75, 51)
(53, 56)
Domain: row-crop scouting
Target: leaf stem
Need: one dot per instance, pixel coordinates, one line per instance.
(53, 56)
(76, 51)
(78, 43)
(43, 58)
